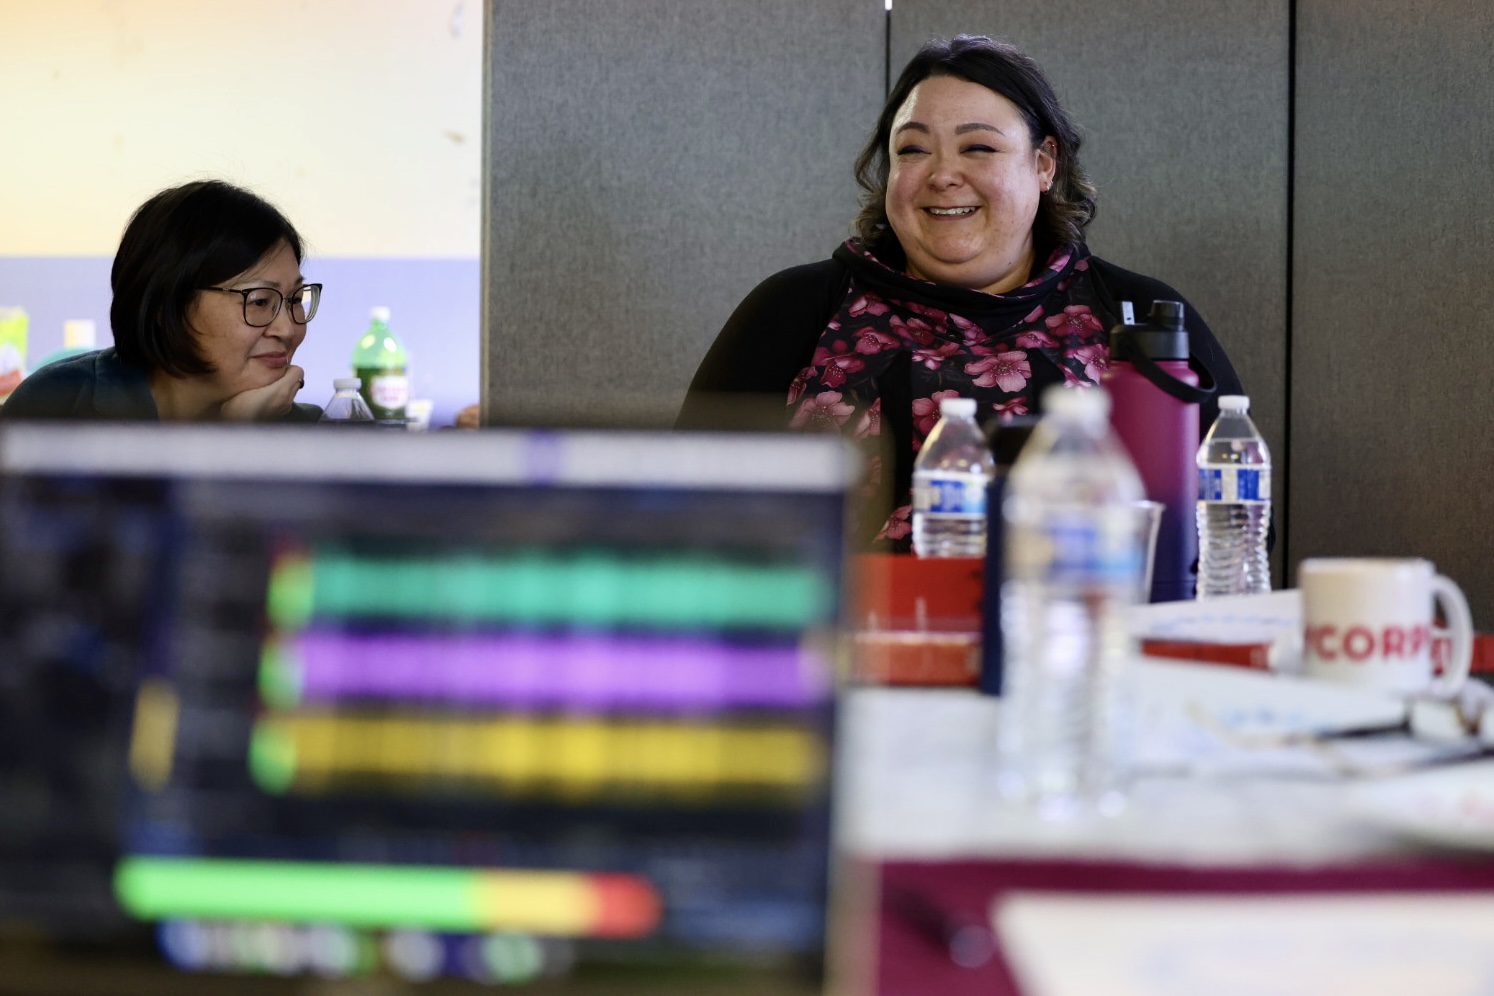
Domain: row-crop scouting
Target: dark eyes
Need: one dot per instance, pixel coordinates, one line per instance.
(260, 300)
(915, 150)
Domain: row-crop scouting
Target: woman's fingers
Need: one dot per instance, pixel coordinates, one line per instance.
(270, 401)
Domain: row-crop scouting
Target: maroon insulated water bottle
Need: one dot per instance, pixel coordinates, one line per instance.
(1154, 410)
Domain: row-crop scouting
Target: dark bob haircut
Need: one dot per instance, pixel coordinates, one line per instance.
(178, 242)
(1064, 209)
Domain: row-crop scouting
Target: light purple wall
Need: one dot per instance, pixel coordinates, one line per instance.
(433, 305)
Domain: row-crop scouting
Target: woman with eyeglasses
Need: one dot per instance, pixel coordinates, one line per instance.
(209, 307)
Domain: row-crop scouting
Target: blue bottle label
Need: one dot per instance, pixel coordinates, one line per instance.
(1102, 549)
(1092, 552)
(962, 495)
(1231, 483)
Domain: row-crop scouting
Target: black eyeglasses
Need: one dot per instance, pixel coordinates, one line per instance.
(262, 304)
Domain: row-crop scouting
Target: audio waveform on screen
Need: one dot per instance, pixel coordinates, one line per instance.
(583, 671)
(575, 588)
(574, 758)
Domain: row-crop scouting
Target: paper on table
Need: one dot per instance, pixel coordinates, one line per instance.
(1065, 944)
(1205, 719)
(1272, 622)
(1451, 807)
(1273, 619)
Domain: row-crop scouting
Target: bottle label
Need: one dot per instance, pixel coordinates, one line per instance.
(389, 391)
(961, 495)
(1101, 549)
(1231, 483)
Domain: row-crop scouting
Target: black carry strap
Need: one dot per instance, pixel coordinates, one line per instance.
(1160, 378)
(1186, 393)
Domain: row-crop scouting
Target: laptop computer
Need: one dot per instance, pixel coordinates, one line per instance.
(505, 705)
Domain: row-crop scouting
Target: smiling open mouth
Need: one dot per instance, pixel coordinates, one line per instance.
(951, 212)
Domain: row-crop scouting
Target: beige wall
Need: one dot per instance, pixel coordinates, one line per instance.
(360, 119)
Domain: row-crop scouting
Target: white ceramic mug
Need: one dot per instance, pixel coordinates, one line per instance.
(1368, 622)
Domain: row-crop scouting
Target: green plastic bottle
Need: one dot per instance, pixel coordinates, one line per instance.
(379, 361)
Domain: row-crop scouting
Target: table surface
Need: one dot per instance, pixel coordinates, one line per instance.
(917, 783)
(921, 824)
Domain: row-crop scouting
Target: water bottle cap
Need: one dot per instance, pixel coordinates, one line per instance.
(1234, 403)
(1163, 337)
(1088, 403)
(347, 384)
(379, 313)
(957, 407)
(1167, 314)
(1129, 341)
(1007, 435)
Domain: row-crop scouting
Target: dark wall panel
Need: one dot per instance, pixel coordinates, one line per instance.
(1183, 108)
(647, 164)
(1392, 408)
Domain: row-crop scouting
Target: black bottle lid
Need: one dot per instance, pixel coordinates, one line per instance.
(1163, 337)
(1006, 438)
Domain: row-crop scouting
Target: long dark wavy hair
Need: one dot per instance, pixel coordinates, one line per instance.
(1064, 209)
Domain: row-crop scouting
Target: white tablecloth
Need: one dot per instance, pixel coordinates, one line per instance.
(916, 769)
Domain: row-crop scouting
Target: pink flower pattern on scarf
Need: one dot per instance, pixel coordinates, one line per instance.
(1060, 340)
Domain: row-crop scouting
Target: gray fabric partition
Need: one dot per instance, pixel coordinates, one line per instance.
(1183, 108)
(1393, 231)
(647, 164)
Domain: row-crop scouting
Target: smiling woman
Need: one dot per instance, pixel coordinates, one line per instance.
(968, 276)
(209, 308)
(964, 185)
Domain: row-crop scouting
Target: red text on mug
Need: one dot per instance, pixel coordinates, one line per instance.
(1360, 643)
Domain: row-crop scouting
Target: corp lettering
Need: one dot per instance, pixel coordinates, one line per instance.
(1360, 643)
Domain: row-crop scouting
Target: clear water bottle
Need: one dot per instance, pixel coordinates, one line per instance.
(1074, 556)
(347, 405)
(1234, 504)
(950, 478)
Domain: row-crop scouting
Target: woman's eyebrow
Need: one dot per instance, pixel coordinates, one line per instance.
(959, 129)
(252, 282)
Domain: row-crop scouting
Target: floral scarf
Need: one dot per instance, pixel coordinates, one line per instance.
(899, 338)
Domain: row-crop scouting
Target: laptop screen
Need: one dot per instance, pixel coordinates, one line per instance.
(502, 705)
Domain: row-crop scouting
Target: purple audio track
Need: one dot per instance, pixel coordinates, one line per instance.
(587, 672)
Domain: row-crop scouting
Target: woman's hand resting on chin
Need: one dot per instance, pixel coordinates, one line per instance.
(268, 402)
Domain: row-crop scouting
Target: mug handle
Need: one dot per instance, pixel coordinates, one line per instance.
(1460, 624)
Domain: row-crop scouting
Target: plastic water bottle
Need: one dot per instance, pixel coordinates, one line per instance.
(1234, 504)
(380, 362)
(950, 478)
(1074, 556)
(347, 405)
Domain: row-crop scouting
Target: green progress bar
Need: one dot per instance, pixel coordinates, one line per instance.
(386, 896)
(582, 589)
(356, 895)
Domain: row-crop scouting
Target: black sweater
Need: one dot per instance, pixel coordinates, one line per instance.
(772, 335)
